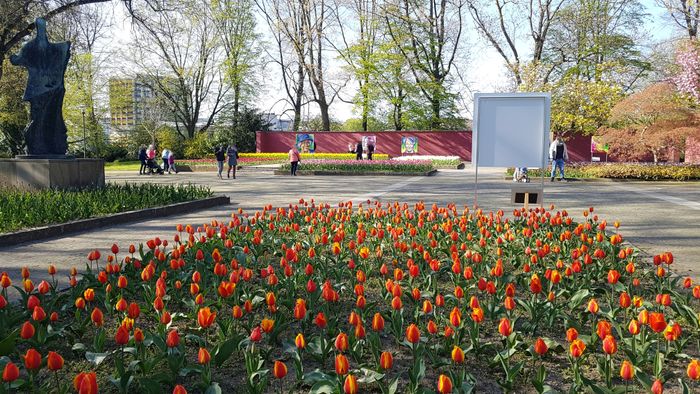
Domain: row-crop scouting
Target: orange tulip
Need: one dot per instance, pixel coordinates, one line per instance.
(320, 320)
(279, 370)
(203, 356)
(413, 334)
(576, 348)
(377, 322)
(627, 370)
(609, 345)
(341, 342)
(27, 330)
(179, 390)
(603, 329)
(173, 339)
(657, 387)
(694, 369)
(593, 306)
(300, 309)
(205, 317)
(633, 327)
(386, 360)
(477, 315)
(350, 385)
(672, 332)
(341, 365)
(504, 327)
(267, 325)
(54, 361)
(300, 341)
(457, 355)
(455, 317)
(444, 385)
(97, 317)
(571, 334)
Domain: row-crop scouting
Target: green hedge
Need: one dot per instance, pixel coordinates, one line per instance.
(641, 171)
(23, 209)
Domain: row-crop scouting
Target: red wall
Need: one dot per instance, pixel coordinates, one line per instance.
(440, 143)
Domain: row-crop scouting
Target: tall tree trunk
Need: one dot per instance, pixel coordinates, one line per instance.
(299, 96)
(323, 106)
(435, 118)
(236, 103)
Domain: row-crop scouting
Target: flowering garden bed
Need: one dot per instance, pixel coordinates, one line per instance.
(378, 298)
(640, 171)
(361, 167)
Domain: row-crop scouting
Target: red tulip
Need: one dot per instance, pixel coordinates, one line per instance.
(27, 330)
(32, 360)
(85, 383)
(97, 317)
(694, 369)
(576, 348)
(179, 390)
(350, 385)
(300, 341)
(122, 336)
(10, 373)
(609, 345)
(657, 322)
(657, 387)
(54, 361)
(541, 347)
(341, 342)
(504, 327)
(173, 339)
(320, 320)
(256, 334)
(386, 360)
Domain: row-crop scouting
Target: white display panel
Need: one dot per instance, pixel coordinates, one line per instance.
(511, 129)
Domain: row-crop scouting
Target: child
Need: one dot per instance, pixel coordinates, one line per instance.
(171, 163)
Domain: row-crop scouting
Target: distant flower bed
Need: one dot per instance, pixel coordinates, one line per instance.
(438, 161)
(252, 159)
(641, 171)
(357, 166)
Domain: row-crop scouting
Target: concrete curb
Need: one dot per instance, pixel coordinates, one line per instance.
(606, 180)
(59, 230)
(382, 173)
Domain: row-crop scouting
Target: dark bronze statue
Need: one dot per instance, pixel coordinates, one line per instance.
(46, 63)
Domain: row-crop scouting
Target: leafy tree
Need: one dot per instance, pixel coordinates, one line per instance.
(652, 121)
(433, 30)
(13, 112)
(242, 133)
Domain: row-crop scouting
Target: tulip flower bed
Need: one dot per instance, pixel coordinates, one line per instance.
(362, 166)
(377, 298)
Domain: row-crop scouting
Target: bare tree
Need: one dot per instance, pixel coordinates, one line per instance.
(284, 20)
(432, 30)
(359, 48)
(685, 13)
(180, 51)
(499, 22)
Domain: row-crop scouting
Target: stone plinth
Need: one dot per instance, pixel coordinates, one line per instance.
(44, 173)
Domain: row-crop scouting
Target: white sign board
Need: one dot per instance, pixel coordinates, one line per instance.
(511, 129)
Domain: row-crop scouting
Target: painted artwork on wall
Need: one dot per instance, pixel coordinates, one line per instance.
(409, 145)
(368, 140)
(598, 146)
(305, 143)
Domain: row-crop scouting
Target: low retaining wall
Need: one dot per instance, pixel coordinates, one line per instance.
(57, 230)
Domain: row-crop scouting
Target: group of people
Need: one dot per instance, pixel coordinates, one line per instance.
(359, 150)
(147, 157)
(230, 152)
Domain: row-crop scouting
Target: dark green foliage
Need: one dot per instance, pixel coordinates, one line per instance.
(22, 209)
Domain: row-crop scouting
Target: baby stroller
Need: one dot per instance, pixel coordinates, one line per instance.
(153, 167)
(520, 175)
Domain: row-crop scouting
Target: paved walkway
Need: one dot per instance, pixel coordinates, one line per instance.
(655, 216)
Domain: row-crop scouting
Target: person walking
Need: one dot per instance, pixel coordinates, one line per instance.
(171, 163)
(142, 158)
(232, 153)
(294, 159)
(220, 157)
(164, 156)
(558, 155)
(370, 151)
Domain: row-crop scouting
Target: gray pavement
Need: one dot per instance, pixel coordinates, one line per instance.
(655, 216)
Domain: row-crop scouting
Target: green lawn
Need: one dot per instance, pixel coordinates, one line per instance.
(123, 166)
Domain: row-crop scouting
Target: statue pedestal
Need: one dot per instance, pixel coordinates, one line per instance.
(31, 172)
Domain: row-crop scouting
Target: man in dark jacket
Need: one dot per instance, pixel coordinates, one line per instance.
(142, 158)
(358, 150)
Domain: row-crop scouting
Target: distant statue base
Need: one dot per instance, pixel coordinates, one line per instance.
(57, 172)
